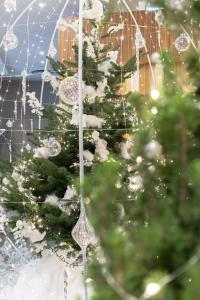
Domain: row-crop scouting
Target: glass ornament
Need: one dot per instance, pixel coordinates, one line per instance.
(182, 42)
(159, 17)
(53, 147)
(82, 232)
(68, 90)
(10, 40)
(10, 5)
(153, 150)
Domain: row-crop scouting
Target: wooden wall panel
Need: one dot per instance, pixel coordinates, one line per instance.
(149, 29)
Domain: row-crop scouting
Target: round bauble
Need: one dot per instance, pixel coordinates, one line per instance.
(52, 146)
(68, 90)
(182, 43)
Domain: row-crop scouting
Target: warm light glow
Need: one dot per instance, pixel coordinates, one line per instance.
(152, 289)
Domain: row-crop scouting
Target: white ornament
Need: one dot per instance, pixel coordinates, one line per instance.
(101, 147)
(88, 120)
(155, 57)
(41, 152)
(34, 103)
(55, 83)
(88, 156)
(152, 289)
(70, 193)
(10, 5)
(52, 50)
(135, 183)
(53, 146)
(182, 42)
(68, 90)
(153, 150)
(28, 230)
(9, 123)
(10, 41)
(52, 200)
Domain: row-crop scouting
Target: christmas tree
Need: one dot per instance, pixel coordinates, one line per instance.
(40, 187)
(145, 214)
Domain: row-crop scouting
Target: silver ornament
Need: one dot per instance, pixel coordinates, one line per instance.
(10, 40)
(182, 42)
(52, 146)
(135, 182)
(10, 5)
(68, 90)
(82, 232)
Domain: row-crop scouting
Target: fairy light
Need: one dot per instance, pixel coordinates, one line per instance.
(152, 289)
(155, 94)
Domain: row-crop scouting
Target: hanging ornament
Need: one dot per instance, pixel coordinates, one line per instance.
(159, 17)
(139, 43)
(52, 50)
(10, 41)
(68, 90)
(182, 43)
(139, 40)
(10, 5)
(53, 147)
(135, 182)
(9, 123)
(82, 232)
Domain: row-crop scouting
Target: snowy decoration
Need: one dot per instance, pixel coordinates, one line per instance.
(53, 146)
(9, 123)
(91, 92)
(88, 120)
(153, 150)
(135, 182)
(68, 90)
(93, 10)
(159, 17)
(28, 147)
(10, 41)
(55, 83)
(34, 103)
(115, 28)
(52, 200)
(182, 42)
(10, 6)
(27, 230)
(17, 176)
(176, 4)
(101, 147)
(52, 50)
(88, 157)
(41, 152)
(70, 193)
(107, 65)
(125, 149)
(64, 25)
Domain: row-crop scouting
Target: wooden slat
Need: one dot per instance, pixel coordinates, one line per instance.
(149, 29)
